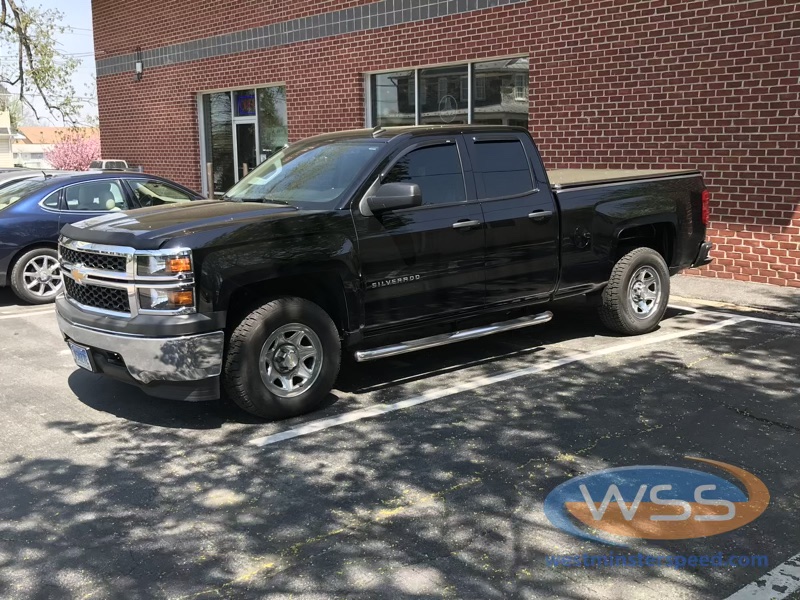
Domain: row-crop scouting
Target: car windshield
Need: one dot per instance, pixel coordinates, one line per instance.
(20, 189)
(311, 175)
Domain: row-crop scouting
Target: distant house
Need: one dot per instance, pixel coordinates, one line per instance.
(6, 140)
(32, 143)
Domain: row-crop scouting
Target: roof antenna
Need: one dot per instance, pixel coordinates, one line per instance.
(376, 130)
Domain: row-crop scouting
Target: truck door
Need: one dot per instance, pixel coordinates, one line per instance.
(428, 260)
(520, 214)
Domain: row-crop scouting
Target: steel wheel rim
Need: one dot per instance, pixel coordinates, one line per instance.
(42, 276)
(291, 360)
(644, 292)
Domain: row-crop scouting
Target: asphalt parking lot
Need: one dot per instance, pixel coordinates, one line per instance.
(424, 477)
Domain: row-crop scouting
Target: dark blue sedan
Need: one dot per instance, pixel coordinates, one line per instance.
(34, 210)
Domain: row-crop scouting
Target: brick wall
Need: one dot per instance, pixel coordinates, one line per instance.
(707, 84)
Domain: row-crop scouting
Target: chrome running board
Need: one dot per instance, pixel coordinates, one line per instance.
(449, 338)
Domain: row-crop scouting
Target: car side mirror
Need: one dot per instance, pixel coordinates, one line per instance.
(393, 196)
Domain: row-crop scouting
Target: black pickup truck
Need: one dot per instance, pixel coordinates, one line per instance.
(375, 243)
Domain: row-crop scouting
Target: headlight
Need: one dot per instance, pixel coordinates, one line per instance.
(148, 266)
(166, 299)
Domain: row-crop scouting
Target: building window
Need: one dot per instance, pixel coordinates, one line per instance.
(520, 87)
(393, 99)
(499, 94)
(446, 104)
(242, 128)
(480, 88)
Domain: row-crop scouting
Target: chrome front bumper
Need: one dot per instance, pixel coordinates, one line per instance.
(176, 359)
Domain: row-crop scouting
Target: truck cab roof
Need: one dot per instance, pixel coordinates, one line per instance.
(388, 134)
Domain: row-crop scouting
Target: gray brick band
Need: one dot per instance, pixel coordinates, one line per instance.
(375, 15)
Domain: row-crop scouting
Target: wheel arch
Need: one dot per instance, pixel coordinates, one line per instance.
(324, 288)
(658, 233)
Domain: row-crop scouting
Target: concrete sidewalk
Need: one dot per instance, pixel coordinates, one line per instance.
(739, 293)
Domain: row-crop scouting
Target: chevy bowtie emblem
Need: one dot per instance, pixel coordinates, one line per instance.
(78, 274)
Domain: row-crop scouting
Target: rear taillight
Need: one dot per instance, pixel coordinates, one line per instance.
(705, 197)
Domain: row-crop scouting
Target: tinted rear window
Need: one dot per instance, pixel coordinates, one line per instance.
(501, 169)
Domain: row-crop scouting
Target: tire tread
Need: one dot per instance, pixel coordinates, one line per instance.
(614, 295)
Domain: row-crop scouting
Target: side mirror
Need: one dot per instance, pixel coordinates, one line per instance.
(393, 196)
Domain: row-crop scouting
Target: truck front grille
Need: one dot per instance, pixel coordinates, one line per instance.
(97, 296)
(93, 260)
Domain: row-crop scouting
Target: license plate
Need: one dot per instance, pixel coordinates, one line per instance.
(81, 356)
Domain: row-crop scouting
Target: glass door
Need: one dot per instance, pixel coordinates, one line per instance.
(245, 149)
(244, 132)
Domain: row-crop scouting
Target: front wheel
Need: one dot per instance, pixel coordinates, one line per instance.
(636, 297)
(36, 277)
(282, 359)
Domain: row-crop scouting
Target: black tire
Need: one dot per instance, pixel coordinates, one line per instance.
(242, 376)
(18, 277)
(617, 311)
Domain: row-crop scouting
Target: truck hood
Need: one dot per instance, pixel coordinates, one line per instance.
(149, 228)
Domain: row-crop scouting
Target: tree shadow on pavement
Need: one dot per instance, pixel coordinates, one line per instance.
(440, 501)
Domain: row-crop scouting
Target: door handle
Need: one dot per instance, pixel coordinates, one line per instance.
(465, 224)
(540, 215)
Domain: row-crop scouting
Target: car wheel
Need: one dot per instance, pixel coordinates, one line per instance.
(36, 277)
(282, 359)
(636, 297)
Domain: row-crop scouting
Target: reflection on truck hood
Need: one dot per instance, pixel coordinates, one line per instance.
(148, 228)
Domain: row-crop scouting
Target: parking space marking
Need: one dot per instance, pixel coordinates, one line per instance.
(779, 583)
(26, 313)
(479, 382)
(717, 313)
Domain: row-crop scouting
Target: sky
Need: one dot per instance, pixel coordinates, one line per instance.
(77, 41)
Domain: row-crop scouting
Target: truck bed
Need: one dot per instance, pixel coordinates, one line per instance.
(561, 179)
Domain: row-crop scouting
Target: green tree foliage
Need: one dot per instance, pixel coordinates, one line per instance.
(31, 63)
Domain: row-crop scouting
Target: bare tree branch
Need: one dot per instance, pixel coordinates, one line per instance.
(40, 70)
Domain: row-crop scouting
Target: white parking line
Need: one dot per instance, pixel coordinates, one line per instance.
(716, 313)
(779, 583)
(27, 313)
(479, 382)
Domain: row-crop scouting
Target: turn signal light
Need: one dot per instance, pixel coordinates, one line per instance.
(705, 197)
(182, 264)
(183, 298)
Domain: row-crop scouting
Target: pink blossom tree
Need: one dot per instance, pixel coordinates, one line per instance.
(74, 152)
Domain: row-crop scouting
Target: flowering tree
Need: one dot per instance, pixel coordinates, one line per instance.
(74, 152)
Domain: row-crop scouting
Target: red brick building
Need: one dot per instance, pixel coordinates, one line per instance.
(615, 83)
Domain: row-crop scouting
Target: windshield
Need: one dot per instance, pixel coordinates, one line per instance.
(96, 164)
(19, 189)
(307, 175)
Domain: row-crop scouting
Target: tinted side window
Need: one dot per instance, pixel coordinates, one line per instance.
(501, 169)
(95, 196)
(437, 171)
(156, 193)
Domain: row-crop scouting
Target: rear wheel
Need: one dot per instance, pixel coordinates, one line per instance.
(282, 359)
(636, 297)
(36, 277)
